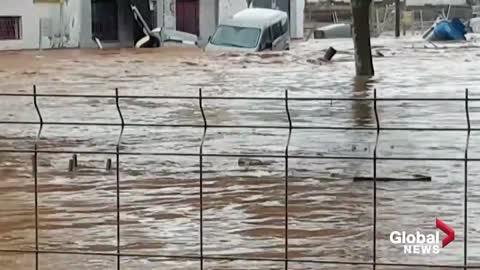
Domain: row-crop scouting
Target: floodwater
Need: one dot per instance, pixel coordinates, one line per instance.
(330, 216)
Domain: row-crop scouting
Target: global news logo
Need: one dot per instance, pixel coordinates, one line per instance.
(423, 244)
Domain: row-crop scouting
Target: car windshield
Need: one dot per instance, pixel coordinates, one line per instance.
(234, 36)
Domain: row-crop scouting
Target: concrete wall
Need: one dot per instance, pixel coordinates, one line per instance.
(86, 24)
(208, 20)
(297, 10)
(29, 36)
(214, 12)
(294, 8)
(170, 15)
(228, 8)
(64, 25)
(72, 23)
(166, 14)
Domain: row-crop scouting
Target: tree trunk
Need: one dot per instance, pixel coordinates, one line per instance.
(361, 37)
(397, 18)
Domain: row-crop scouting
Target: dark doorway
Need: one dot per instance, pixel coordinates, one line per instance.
(105, 19)
(188, 16)
(149, 17)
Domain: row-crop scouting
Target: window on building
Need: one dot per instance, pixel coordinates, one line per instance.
(10, 28)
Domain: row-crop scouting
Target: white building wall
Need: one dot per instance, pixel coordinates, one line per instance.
(63, 31)
(85, 24)
(166, 14)
(297, 9)
(29, 36)
(228, 8)
(207, 19)
(66, 21)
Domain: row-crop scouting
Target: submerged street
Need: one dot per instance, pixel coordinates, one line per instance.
(330, 216)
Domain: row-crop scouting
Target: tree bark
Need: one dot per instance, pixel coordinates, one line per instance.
(397, 18)
(361, 37)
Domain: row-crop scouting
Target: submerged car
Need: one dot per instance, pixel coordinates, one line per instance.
(252, 30)
(338, 30)
(444, 29)
(160, 36)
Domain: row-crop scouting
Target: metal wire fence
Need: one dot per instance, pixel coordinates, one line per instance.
(289, 125)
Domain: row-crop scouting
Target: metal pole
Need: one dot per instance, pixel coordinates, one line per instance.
(421, 19)
(397, 18)
(40, 34)
(217, 11)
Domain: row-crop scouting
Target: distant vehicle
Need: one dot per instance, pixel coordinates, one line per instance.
(337, 30)
(474, 25)
(252, 30)
(159, 36)
(444, 29)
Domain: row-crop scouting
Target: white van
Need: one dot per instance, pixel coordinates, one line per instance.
(252, 30)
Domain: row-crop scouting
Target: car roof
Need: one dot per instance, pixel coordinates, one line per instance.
(257, 17)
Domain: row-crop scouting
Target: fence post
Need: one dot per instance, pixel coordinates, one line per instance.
(205, 125)
(377, 120)
(117, 155)
(35, 173)
(287, 109)
(465, 223)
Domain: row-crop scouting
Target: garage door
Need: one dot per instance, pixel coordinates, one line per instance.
(187, 12)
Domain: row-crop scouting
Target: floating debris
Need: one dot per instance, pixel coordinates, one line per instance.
(245, 162)
(415, 178)
(189, 63)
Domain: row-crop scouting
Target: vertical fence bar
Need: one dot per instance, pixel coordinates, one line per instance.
(35, 173)
(465, 222)
(286, 176)
(205, 125)
(117, 150)
(377, 120)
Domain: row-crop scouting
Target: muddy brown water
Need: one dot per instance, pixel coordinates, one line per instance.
(330, 216)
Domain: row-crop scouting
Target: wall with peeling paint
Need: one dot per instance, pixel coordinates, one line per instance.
(170, 14)
(66, 22)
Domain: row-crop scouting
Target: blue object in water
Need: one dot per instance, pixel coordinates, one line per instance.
(450, 30)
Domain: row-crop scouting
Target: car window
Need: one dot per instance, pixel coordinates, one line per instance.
(233, 36)
(266, 38)
(284, 27)
(277, 30)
